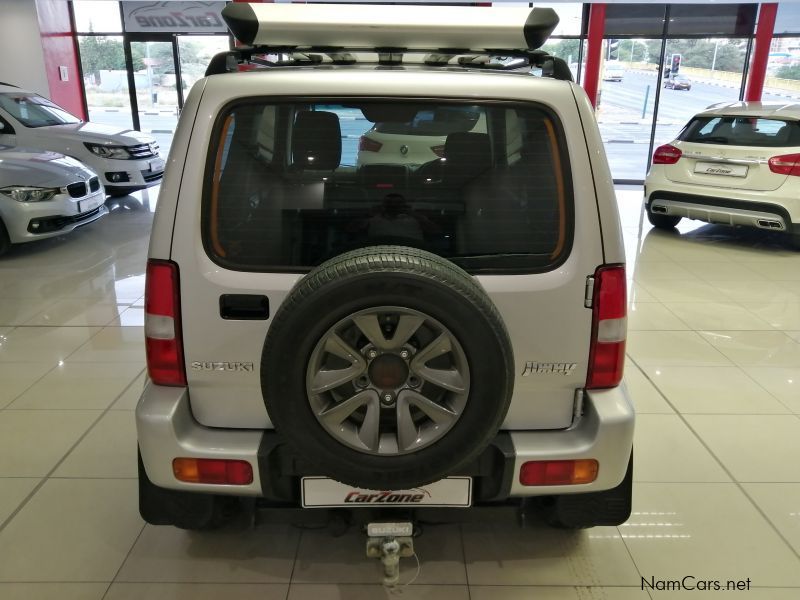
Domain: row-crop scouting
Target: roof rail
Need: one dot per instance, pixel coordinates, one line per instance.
(549, 66)
(402, 28)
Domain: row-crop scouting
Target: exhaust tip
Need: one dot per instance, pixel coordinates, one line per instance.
(769, 224)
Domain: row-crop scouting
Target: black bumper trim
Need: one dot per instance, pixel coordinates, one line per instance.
(280, 470)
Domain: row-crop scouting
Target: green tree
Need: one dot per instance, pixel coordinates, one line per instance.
(101, 53)
(566, 49)
(789, 72)
(633, 51)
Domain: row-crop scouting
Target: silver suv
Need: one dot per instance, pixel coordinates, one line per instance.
(328, 333)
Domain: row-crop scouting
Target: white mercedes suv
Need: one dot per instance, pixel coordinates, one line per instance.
(385, 336)
(733, 164)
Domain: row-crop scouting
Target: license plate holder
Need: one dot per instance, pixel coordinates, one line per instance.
(156, 165)
(89, 203)
(322, 492)
(723, 169)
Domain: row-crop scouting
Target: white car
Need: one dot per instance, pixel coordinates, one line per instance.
(613, 72)
(316, 341)
(420, 141)
(125, 160)
(733, 164)
(44, 194)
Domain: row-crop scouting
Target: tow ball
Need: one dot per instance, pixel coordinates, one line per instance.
(389, 542)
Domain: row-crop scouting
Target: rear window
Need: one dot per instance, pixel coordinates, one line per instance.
(292, 184)
(742, 131)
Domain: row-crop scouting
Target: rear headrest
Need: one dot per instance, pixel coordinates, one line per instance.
(473, 149)
(317, 141)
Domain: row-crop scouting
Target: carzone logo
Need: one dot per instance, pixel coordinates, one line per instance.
(412, 496)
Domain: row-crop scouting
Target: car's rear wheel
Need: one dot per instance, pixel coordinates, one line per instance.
(387, 368)
(662, 221)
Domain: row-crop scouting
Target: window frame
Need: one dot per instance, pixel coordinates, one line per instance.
(567, 188)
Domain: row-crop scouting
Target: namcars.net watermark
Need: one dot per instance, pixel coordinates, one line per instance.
(691, 583)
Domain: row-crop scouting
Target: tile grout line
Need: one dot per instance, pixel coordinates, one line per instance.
(44, 479)
(124, 560)
(294, 564)
(464, 560)
(719, 462)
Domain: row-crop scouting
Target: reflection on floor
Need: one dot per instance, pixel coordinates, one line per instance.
(714, 366)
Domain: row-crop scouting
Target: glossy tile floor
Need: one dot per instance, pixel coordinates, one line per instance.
(714, 367)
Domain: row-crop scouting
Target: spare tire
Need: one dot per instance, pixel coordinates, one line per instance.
(387, 368)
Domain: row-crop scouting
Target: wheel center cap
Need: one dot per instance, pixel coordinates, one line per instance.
(388, 372)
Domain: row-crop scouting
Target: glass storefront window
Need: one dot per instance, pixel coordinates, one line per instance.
(783, 69)
(628, 80)
(105, 79)
(92, 16)
(195, 53)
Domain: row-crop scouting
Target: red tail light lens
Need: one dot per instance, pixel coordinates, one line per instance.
(558, 472)
(438, 150)
(786, 164)
(366, 144)
(212, 470)
(609, 328)
(163, 339)
(666, 155)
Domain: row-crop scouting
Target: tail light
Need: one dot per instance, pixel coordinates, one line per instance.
(558, 472)
(609, 328)
(666, 155)
(786, 164)
(162, 324)
(438, 150)
(366, 144)
(213, 470)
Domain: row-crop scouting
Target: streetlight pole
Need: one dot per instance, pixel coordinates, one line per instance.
(714, 60)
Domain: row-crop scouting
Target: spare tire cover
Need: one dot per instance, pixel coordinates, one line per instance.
(387, 368)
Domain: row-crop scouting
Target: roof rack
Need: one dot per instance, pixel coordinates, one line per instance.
(408, 27)
(447, 36)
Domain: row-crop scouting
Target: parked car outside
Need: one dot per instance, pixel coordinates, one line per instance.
(125, 160)
(678, 82)
(45, 194)
(613, 72)
(733, 164)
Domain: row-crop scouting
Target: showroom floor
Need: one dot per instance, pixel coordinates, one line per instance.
(714, 368)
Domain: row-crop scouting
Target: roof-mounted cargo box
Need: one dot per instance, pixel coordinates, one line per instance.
(410, 28)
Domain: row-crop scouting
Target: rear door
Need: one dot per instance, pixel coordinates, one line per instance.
(504, 206)
(734, 152)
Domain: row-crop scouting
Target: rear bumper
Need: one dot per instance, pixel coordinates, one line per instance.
(166, 430)
(736, 207)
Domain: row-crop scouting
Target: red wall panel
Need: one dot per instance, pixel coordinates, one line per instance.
(58, 46)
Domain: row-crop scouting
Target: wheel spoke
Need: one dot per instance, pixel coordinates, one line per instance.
(407, 326)
(370, 430)
(449, 379)
(371, 327)
(407, 433)
(441, 345)
(439, 414)
(337, 413)
(327, 379)
(338, 347)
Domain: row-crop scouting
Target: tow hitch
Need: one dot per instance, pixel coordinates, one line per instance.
(389, 542)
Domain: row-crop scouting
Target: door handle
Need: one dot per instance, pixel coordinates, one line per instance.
(244, 307)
